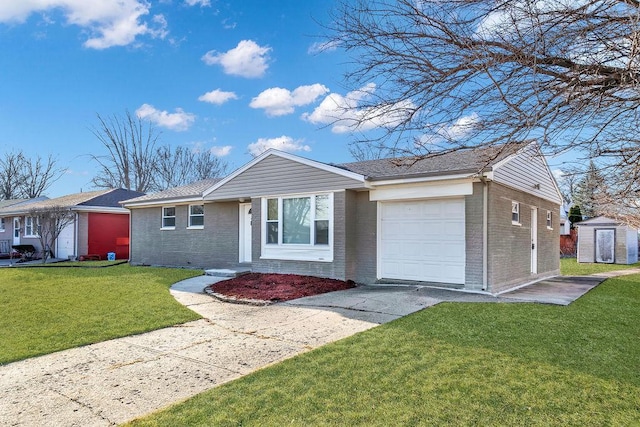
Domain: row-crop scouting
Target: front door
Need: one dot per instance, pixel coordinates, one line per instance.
(16, 231)
(605, 246)
(534, 241)
(245, 233)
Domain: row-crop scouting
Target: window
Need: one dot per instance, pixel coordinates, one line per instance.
(298, 227)
(169, 217)
(272, 221)
(196, 216)
(32, 226)
(2, 224)
(549, 220)
(515, 213)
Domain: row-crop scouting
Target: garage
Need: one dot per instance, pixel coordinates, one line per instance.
(422, 240)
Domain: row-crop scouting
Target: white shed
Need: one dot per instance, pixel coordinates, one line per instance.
(605, 240)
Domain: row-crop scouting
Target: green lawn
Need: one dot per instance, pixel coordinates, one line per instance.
(478, 364)
(50, 309)
(570, 267)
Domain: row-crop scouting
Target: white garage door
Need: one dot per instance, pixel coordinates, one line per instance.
(422, 240)
(66, 242)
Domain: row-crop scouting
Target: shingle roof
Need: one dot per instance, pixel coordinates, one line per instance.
(462, 161)
(195, 189)
(100, 198)
(10, 202)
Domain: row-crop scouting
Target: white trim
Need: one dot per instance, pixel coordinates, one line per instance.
(423, 190)
(534, 240)
(242, 233)
(272, 152)
(100, 209)
(392, 181)
(156, 202)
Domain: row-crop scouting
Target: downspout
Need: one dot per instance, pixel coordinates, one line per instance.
(76, 240)
(485, 233)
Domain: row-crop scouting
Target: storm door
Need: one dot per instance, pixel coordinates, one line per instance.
(605, 246)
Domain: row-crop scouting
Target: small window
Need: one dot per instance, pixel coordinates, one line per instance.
(549, 220)
(2, 224)
(169, 217)
(321, 232)
(196, 216)
(515, 213)
(32, 226)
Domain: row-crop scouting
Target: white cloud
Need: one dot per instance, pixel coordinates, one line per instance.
(321, 47)
(344, 114)
(248, 59)
(282, 143)
(178, 121)
(201, 3)
(109, 22)
(277, 101)
(221, 151)
(461, 128)
(217, 97)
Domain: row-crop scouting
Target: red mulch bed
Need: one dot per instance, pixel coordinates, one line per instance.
(277, 287)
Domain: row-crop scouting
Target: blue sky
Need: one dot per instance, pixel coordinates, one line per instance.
(232, 77)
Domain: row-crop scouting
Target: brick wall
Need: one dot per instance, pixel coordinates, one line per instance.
(509, 246)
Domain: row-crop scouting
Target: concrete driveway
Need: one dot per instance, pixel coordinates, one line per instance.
(115, 381)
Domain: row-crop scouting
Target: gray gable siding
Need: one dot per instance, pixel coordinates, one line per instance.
(525, 171)
(275, 175)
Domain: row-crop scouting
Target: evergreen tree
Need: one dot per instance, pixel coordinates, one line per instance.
(575, 215)
(590, 190)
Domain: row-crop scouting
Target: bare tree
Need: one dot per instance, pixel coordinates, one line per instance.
(23, 177)
(50, 222)
(11, 176)
(132, 153)
(39, 175)
(443, 75)
(182, 166)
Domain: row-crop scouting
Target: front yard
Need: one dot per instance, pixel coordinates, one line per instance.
(46, 309)
(453, 364)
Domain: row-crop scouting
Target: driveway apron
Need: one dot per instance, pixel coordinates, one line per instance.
(115, 381)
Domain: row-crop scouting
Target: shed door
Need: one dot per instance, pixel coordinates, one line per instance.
(422, 240)
(605, 246)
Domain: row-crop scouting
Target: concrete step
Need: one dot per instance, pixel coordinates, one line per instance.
(227, 272)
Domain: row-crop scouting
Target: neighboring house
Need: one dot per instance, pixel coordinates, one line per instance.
(6, 229)
(606, 240)
(474, 219)
(100, 225)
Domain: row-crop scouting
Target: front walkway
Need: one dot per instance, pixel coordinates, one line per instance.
(112, 382)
